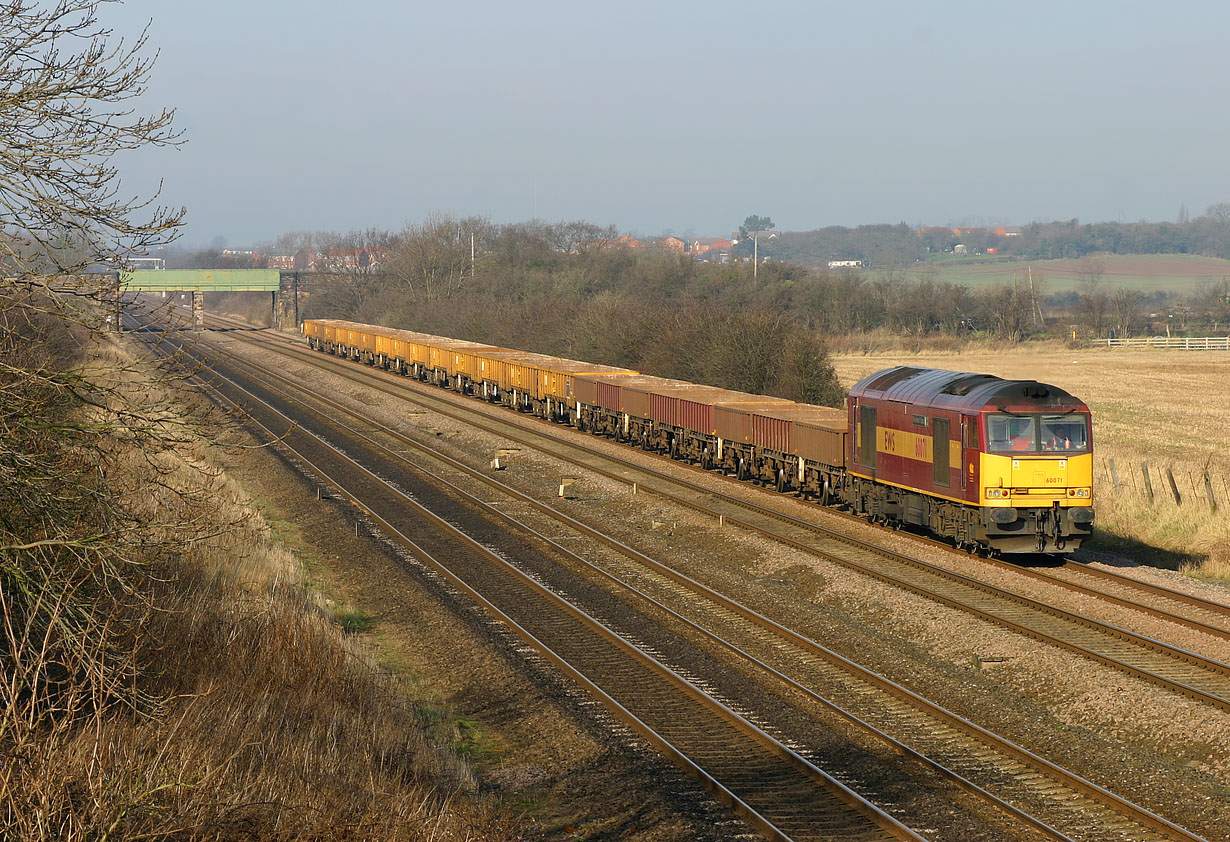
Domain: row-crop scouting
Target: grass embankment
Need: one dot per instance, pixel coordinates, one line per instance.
(246, 711)
(1163, 409)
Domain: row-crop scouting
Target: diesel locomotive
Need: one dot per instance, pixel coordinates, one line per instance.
(999, 465)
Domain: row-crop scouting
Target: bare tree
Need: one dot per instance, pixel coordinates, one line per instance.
(66, 85)
(1007, 308)
(437, 257)
(1124, 310)
(1094, 299)
(69, 541)
(1219, 213)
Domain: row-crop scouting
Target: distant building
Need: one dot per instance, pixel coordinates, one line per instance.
(280, 261)
(707, 245)
(135, 263)
(358, 260)
(350, 260)
(846, 264)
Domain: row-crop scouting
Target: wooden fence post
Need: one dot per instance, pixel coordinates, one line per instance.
(1114, 476)
(1208, 489)
(1174, 487)
(1144, 471)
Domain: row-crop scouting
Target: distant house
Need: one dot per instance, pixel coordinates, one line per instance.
(241, 258)
(960, 248)
(846, 264)
(673, 244)
(280, 261)
(355, 260)
(135, 263)
(629, 242)
(706, 245)
(301, 261)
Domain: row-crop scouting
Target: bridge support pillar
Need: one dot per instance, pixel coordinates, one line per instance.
(275, 312)
(198, 309)
(286, 303)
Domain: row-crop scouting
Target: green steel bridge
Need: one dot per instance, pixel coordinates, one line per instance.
(202, 280)
(283, 287)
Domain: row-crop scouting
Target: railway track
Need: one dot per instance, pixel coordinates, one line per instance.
(1184, 609)
(774, 787)
(1174, 668)
(1030, 789)
(1204, 615)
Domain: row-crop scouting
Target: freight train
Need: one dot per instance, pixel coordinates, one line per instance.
(1004, 466)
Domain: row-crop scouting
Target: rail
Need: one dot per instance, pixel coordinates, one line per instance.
(1074, 802)
(1167, 666)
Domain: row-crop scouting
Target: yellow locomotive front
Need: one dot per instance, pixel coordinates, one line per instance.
(1036, 479)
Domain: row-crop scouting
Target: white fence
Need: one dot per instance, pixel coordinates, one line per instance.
(1182, 343)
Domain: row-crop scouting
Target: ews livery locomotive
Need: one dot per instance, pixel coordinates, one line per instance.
(999, 465)
(1006, 464)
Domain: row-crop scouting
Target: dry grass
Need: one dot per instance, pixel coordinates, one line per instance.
(1163, 408)
(261, 718)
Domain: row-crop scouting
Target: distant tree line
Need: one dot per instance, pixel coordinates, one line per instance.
(569, 289)
(879, 245)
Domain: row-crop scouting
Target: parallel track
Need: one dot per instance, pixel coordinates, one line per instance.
(777, 790)
(1162, 664)
(1205, 615)
(1075, 808)
(936, 737)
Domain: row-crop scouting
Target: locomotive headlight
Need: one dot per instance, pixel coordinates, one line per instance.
(996, 492)
(1078, 492)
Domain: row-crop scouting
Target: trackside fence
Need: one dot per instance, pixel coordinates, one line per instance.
(1180, 343)
(1166, 485)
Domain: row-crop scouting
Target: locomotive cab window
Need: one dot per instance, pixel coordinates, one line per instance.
(969, 429)
(1064, 433)
(1042, 433)
(1012, 434)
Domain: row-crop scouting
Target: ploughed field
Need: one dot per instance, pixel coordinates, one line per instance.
(1153, 410)
(1185, 273)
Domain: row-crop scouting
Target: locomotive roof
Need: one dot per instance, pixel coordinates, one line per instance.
(959, 389)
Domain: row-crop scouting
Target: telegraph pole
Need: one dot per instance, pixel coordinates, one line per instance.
(755, 255)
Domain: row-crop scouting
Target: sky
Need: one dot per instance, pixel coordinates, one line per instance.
(682, 117)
